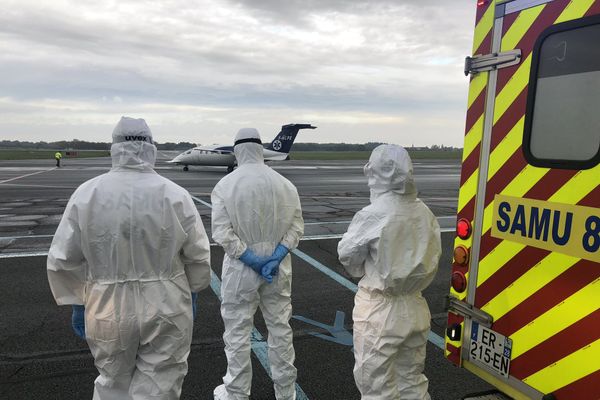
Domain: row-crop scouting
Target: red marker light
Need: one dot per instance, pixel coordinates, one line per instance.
(459, 281)
(463, 228)
(481, 3)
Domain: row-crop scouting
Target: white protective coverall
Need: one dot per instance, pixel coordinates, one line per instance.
(131, 248)
(394, 245)
(255, 207)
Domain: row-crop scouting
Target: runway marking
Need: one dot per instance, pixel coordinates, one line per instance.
(38, 186)
(202, 202)
(335, 197)
(337, 333)
(25, 237)
(23, 255)
(26, 175)
(303, 238)
(339, 235)
(258, 343)
(326, 222)
(438, 341)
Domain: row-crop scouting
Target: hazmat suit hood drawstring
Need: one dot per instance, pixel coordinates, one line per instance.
(248, 147)
(390, 170)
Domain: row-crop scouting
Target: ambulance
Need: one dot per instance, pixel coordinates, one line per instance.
(524, 302)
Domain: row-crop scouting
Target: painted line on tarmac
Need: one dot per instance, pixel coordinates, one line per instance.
(38, 186)
(26, 175)
(202, 202)
(23, 255)
(450, 217)
(322, 237)
(339, 235)
(45, 252)
(303, 238)
(326, 270)
(25, 237)
(433, 338)
(335, 197)
(257, 341)
(326, 222)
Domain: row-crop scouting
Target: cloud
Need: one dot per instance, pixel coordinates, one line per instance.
(394, 60)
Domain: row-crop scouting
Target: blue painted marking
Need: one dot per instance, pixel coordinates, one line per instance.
(433, 338)
(202, 201)
(436, 340)
(338, 333)
(327, 271)
(257, 341)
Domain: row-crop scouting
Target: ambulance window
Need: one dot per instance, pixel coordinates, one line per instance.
(562, 124)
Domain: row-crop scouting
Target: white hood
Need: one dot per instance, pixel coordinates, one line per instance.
(133, 155)
(132, 146)
(390, 170)
(250, 150)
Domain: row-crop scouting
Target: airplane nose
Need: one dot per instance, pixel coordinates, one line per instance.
(176, 159)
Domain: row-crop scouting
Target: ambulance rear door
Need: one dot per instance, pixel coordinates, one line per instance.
(525, 303)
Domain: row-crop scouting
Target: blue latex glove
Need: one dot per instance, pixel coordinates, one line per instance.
(253, 261)
(78, 320)
(194, 298)
(280, 252)
(270, 269)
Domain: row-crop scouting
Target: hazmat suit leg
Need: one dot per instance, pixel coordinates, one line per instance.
(389, 337)
(162, 357)
(238, 317)
(109, 338)
(412, 383)
(140, 336)
(276, 307)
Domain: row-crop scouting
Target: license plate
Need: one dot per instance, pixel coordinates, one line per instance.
(491, 349)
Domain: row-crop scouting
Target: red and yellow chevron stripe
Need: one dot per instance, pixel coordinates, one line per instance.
(547, 302)
(473, 132)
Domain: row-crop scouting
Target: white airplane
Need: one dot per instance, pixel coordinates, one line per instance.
(220, 155)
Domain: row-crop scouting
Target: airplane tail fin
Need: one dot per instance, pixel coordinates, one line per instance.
(284, 139)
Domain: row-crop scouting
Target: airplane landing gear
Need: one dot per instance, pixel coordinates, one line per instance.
(185, 168)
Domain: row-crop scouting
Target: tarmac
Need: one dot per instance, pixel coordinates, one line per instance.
(41, 358)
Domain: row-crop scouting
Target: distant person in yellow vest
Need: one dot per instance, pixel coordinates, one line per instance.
(58, 156)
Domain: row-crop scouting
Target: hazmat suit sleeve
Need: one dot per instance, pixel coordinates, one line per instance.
(292, 236)
(66, 265)
(353, 248)
(195, 252)
(222, 230)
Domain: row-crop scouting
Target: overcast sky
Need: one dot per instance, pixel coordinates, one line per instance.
(387, 70)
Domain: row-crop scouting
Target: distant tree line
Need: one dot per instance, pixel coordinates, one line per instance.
(335, 146)
(82, 145)
(357, 147)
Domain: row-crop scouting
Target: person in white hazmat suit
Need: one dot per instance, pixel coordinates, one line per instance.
(132, 252)
(394, 245)
(257, 218)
